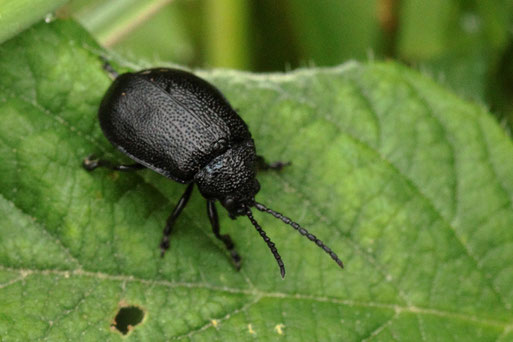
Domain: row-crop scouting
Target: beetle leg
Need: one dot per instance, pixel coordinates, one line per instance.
(263, 165)
(164, 244)
(214, 221)
(113, 74)
(90, 163)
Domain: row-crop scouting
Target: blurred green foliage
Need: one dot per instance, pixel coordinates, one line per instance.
(466, 44)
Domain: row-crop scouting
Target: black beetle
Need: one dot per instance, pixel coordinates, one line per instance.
(181, 126)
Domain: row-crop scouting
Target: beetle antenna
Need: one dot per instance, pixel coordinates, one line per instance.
(301, 231)
(267, 240)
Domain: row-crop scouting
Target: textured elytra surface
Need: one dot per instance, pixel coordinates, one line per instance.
(409, 184)
(170, 121)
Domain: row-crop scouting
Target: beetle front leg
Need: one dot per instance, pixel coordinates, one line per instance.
(214, 221)
(164, 244)
(90, 163)
(263, 165)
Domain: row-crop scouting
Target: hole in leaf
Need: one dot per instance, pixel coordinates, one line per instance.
(127, 318)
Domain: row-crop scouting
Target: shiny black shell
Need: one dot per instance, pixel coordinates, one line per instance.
(170, 121)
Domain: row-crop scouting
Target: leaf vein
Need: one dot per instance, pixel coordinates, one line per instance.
(258, 293)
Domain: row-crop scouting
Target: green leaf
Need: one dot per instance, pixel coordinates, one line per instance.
(410, 185)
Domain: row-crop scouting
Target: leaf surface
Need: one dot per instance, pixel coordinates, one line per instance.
(410, 185)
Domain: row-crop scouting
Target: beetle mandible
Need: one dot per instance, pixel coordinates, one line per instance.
(181, 126)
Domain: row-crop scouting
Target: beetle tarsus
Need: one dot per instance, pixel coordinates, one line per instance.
(113, 74)
(277, 165)
(164, 245)
(91, 162)
(236, 259)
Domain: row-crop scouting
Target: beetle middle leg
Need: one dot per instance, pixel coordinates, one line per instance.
(262, 164)
(214, 221)
(164, 244)
(90, 163)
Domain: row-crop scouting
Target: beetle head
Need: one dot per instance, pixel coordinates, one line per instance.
(230, 178)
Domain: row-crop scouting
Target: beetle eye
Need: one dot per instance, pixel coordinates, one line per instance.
(220, 145)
